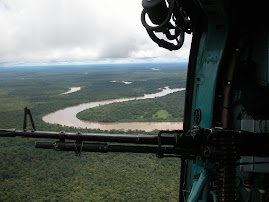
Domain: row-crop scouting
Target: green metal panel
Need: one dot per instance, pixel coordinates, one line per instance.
(211, 50)
(210, 53)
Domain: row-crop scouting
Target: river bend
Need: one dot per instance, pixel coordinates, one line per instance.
(67, 116)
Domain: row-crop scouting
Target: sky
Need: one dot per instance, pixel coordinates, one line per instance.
(49, 32)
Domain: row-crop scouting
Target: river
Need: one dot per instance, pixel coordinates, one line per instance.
(67, 116)
(72, 90)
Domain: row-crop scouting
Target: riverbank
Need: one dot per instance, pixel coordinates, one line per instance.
(68, 116)
(169, 108)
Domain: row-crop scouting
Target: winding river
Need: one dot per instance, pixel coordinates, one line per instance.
(67, 116)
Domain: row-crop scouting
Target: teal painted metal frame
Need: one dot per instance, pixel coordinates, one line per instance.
(210, 54)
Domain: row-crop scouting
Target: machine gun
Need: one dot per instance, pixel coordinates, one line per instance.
(219, 147)
(197, 142)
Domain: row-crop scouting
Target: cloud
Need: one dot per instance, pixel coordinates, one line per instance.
(38, 32)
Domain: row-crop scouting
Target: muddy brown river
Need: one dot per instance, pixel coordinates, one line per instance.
(67, 116)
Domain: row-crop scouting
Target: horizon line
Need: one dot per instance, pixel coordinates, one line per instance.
(85, 64)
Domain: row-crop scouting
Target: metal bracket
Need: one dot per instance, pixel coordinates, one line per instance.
(28, 112)
(197, 116)
(161, 150)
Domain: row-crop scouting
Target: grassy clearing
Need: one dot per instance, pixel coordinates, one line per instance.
(161, 114)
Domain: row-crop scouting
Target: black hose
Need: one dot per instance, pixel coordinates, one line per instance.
(165, 44)
(160, 26)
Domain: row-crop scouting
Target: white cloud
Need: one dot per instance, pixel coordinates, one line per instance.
(45, 31)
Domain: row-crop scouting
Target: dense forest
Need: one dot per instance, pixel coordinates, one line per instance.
(30, 174)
